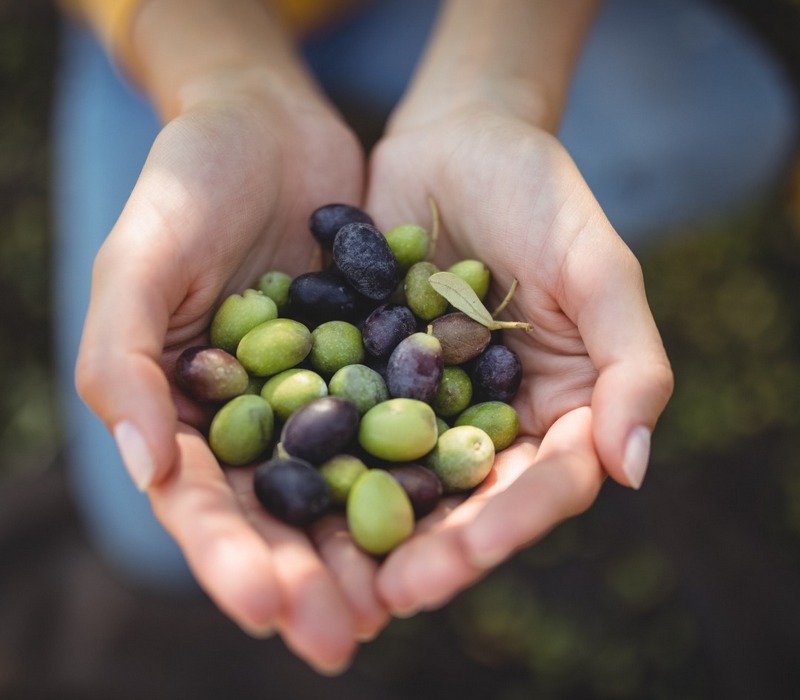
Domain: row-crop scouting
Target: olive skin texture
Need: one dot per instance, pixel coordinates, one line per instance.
(362, 255)
(274, 346)
(398, 430)
(238, 314)
(241, 430)
(415, 368)
(496, 374)
(498, 420)
(210, 374)
(335, 344)
(422, 486)
(454, 393)
(421, 297)
(275, 284)
(321, 429)
(359, 384)
(325, 221)
(379, 513)
(385, 327)
(290, 390)
(409, 243)
(462, 458)
(462, 338)
(316, 297)
(292, 490)
(475, 274)
(341, 472)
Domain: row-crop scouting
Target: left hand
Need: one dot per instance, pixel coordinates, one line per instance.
(596, 376)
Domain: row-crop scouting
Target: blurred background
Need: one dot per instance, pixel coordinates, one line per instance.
(688, 589)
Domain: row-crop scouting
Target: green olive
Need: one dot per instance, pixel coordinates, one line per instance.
(241, 430)
(399, 430)
(475, 274)
(462, 458)
(274, 346)
(292, 389)
(335, 344)
(498, 419)
(421, 297)
(379, 512)
(454, 392)
(275, 285)
(409, 243)
(341, 472)
(360, 384)
(237, 315)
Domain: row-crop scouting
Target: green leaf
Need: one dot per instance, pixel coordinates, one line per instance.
(461, 296)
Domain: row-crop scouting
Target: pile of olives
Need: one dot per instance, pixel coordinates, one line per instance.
(358, 387)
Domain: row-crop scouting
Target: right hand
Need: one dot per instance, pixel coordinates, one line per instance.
(224, 196)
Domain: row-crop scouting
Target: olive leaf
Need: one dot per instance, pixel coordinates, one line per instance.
(463, 297)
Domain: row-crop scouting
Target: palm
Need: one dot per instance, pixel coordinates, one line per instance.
(511, 197)
(225, 196)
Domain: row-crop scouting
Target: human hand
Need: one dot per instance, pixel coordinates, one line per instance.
(225, 195)
(596, 376)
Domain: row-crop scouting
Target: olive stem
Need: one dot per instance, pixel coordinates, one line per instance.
(497, 325)
(507, 299)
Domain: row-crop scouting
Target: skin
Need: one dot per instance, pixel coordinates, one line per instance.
(249, 148)
(475, 132)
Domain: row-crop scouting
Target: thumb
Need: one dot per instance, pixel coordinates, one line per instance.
(635, 380)
(118, 373)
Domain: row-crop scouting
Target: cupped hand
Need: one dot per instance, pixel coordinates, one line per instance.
(596, 376)
(224, 196)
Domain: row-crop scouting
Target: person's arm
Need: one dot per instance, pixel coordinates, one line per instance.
(515, 56)
(476, 131)
(248, 149)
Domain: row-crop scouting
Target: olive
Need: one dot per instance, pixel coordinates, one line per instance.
(499, 420)
(422, 486)
(210, 374)
(292, 490)
(241, 430)
(320, 429)
(274, 346)
(462, 458)
(292, 389)
(360, 384)
(379, 513)
(238, 314)
(398, 430)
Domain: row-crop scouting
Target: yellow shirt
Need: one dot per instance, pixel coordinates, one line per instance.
(111, 19)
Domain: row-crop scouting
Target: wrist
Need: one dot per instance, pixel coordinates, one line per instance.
(513, 57)
(185, 51)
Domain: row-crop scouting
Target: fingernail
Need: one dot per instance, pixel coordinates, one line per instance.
(333, 669)
(258, 631)
(637, 454)
(365, 637)
(404, 613)
(487, 558)
(135, 454)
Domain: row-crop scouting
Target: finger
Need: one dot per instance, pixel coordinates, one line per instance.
(634, 376)
(118, 373)
(562, 481)
(355, 574)
(431, 567)
(227, 556)
(315, 620)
